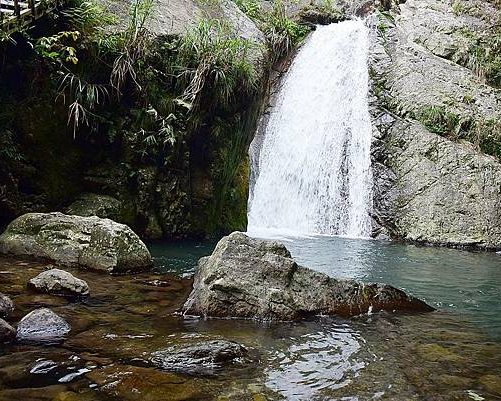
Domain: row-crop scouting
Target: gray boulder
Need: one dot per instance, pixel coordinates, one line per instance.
(90, 242)
(6, 305)
(251, 278)
(199, 358)
(42, 325)
(7, 332)
(104, 206)
(59, 282)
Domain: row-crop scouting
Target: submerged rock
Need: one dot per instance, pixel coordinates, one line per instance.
(133, 383)
(59, 282)
(7, 332)
(42, 325)
(92, 242)
(203, 357)
(6, 305)
(251, 278)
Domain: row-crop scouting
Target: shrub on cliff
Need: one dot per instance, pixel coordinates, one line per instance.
(485, 134)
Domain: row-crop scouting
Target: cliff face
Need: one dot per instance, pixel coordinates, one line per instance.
(436, 114)
(436, 108)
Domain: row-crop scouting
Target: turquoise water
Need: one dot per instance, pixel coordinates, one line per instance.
(451, 354)
(468, 284)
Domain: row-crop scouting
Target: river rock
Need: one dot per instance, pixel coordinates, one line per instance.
(59, 282)
(203, 357)
(6, 305)
(90, 242)
(7, 332)
(252, 278)
(42, 325)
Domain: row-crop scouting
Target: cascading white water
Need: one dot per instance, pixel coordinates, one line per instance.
(312, 172)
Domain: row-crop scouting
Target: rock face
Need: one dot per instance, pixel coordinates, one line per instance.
(59, 282)
(42, 325)
(250, 278)
(428, 188)
(7, 332)
(89, 242)
(199, 358)
(6, 305)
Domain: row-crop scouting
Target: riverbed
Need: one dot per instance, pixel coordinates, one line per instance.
(451, 354)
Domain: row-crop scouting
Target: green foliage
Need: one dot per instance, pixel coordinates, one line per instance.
(484, 134)
(212, 63)
(282, 33)
(133, 45)
(250, 7)
(483, 55)
(441, 122)
(458, 7)
(89, 18)
(9, 150)
(85, 97)
(56, 47)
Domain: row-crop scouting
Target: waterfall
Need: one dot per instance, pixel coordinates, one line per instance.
(311, 168)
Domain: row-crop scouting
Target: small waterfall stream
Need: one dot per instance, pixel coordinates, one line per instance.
(312, 172)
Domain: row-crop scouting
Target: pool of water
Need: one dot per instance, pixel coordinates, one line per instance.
(451, 354)
(467, 284)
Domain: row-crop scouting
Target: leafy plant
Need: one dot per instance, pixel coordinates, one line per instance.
(484, 134)
(212, 63)
(250, 7)
(57, 49)
(483, 55)
(85, 98)
(440, 121)
(133, 46)
(282, 33)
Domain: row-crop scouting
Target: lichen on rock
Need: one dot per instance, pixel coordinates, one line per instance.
(88, 242)
(258, 279)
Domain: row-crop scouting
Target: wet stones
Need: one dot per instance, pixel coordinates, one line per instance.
(258, 279)
(201, 358)
(42, 325)
(59, 282)
(6, 305)
(7, 332)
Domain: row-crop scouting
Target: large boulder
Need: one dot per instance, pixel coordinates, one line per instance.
(6, 305)
(7, 332)
(42, 325)
(251, 278)
(90, 242)
(59, 282)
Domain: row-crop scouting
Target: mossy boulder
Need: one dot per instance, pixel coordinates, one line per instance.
(89, 242)
(104, 206)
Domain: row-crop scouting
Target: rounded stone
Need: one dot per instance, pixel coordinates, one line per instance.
(42, 325)
(7, 332)
(6, 305)
(59, 282)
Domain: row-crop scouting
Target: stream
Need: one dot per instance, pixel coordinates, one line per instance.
(451, 354)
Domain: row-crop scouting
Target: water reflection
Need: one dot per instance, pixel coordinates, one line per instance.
(468, 283)
(305, 365)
